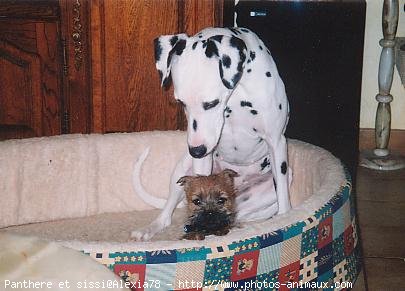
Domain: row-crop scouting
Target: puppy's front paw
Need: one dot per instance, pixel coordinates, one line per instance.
(143, 234)
(194, 236)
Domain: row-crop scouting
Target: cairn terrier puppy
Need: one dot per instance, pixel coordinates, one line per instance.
(211, 204)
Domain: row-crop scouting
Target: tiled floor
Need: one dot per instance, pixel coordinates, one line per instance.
(381, 211)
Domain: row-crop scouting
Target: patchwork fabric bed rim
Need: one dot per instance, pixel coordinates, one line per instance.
(322, 249)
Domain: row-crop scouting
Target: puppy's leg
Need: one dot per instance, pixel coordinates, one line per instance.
(176, 195)
(278, 148)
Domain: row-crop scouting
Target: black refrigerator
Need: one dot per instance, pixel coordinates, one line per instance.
(318, 49)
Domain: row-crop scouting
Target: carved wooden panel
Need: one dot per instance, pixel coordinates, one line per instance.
(30, 70)
(20, 93)
(126, 93)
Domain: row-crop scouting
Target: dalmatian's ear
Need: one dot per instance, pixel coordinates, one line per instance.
(231, 54)
(165, 47)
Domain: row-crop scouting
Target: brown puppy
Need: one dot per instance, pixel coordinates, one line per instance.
(211, 204)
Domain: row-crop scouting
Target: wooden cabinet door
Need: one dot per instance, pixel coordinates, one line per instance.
(126, 92)
(30, 82)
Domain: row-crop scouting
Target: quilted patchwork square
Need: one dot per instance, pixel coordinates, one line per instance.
(245, 246)
(290, 251)
(325, 259)
(269, 280)
(341, 219)
(352, 266)
(192, 254)
(245, 265)
(293, 230)
(326, 278)
(220, 252)
(134, 274)
(270, 238)
(289, 274)
(340, 272)
(325, 231)
(269, 259)
(309, 268)
(324, 212)
(338, 250)
(161, 256)
(336, 202)
(309, 242)
(190, 274)
(162, 273)
(310, 222)
(348, 240)
(129, 257)
(217, 270)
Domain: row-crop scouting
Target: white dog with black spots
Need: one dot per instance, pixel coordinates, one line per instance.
(237, 112)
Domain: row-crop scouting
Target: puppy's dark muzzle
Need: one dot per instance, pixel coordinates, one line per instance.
(209, 222)
(198, 152)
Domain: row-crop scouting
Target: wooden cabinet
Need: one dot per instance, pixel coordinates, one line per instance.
(81, 66)
(30, 80)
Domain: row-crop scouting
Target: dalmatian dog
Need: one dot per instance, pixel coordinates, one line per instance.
(237, 112)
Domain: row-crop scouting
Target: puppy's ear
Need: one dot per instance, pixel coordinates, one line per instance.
(230, 173)
(228, 176)
(231, 53)
(184, 180)
(165, 47)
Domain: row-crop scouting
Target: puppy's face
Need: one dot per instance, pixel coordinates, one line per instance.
(210, 194)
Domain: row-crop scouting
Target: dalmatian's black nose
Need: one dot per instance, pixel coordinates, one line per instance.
(198, 152)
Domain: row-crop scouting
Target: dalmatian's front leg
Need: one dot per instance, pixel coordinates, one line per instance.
(278, 148)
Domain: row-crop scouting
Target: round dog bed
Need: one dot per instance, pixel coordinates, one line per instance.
(77, 190)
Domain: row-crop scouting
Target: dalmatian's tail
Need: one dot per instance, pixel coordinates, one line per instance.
(137, 183)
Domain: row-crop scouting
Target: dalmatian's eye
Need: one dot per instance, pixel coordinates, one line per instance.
(196, 201)
(211, 104)
(221, 200)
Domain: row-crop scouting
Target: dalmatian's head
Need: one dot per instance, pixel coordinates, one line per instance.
(204, 72)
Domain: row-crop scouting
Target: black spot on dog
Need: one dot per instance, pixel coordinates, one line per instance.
(211, 49)
(280, 107)
(275, 184)
(158, 49)
(209, 105)
(218, 38)
(245, 30)
(254, 129)
(252, 55)
(200, 36)
(265, 163)
(228, 110)
(248, 61)
(234, 30)
(283, 168)
(180, 46)
(235, 148)
(221, 70)
(249, 70)
(227, 116)
(246, 103)
(268, 74)
(237, 43)
(260, 47)
(254, 112)
(195, 125)
(236, 78)
(226, 61)
(173, 40)
(194, 45)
